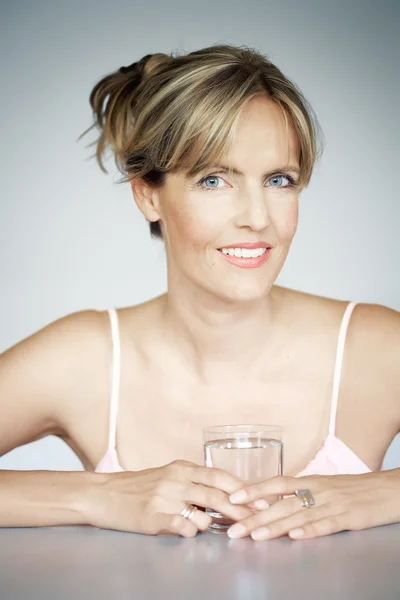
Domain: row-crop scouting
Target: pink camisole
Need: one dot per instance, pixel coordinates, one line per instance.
(335, 457)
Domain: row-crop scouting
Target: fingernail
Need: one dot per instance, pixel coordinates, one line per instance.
(261, 504)
(236, 531)
(260, 534)
(296, 533)
(238, 496)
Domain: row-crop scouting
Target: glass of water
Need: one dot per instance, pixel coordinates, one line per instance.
(250, 452)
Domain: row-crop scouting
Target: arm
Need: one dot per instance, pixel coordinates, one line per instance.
(148, 501)
(375, 346)
(342, 502)
(40, 380)
(44, 498)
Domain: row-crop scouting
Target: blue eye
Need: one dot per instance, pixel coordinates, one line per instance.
(291, 183)
(279, 177)
(210, 177)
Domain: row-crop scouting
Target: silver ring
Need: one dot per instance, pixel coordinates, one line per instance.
(188, 512)
(306, 497)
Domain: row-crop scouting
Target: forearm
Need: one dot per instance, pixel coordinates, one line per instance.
(390, 480)
(44, 498)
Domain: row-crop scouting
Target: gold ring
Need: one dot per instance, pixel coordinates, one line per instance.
(306, 497)
(188, 512)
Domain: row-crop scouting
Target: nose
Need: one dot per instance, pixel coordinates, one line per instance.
(253, 212)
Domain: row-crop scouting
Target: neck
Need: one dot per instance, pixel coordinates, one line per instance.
(213, 337)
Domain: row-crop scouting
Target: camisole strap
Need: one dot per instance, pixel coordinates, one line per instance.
(115, 378)
(339, 364)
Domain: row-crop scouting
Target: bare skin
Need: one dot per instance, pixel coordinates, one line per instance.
(293, 390)
(224, 345)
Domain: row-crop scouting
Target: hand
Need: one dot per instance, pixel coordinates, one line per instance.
(342, 502)
(151, 501)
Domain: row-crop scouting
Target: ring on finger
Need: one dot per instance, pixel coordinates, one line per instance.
(306, 497)
(188, 512)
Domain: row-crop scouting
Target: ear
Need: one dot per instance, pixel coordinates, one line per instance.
(146, 198)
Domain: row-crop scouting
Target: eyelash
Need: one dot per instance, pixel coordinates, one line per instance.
(292, 182)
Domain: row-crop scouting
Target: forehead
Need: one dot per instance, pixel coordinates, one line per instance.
(261, 140)
(262, 136)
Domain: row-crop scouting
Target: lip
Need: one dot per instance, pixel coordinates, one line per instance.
(247, 263)
(248, 245)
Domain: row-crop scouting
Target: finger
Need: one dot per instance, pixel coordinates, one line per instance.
(326, 526)
(262, 528)
(268, 489)
(202, 520)
(164, 524)
(276, 512)
(212, 477)
(261, 504)
(215, 499)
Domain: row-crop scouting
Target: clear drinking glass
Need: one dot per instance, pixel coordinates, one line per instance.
(250, 452)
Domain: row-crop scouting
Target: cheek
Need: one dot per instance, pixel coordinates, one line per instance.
(192, 227)
(286, 222)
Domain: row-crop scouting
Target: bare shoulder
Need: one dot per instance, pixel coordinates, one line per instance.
(373, 334)
(374, 337)
(315, 314)
(377, 322)
(69, 335)
(372, 347)
(367, 320)
(372, 355)
(43, 376)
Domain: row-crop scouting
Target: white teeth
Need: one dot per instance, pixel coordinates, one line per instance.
(244, 252)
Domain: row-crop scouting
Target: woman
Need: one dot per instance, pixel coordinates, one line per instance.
(217, 146)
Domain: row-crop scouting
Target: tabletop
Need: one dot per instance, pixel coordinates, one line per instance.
(59, 563)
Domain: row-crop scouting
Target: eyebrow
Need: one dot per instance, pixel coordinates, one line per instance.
(227, 169)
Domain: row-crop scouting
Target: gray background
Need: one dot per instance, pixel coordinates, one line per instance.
(71, 239)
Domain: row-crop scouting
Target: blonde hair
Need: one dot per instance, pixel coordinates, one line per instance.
(169, 113)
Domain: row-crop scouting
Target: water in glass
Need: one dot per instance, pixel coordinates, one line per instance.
(250, 459)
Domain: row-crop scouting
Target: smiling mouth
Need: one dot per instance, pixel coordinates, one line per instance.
(244, 252)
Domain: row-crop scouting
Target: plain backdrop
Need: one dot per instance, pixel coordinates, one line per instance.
(71, 238)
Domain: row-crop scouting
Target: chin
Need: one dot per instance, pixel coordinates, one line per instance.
(245, 293)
